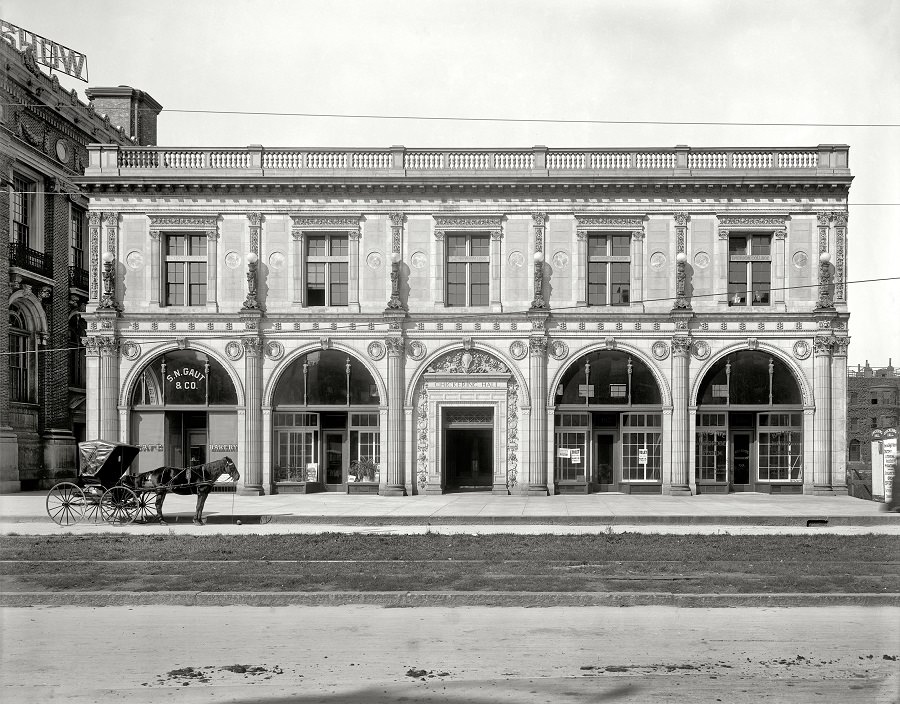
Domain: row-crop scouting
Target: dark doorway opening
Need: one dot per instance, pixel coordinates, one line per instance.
(469, 458)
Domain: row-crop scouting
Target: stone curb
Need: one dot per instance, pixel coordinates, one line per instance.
(885, 519)
(443, 599)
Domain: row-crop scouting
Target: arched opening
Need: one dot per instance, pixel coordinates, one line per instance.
(326, 425)
(23, 366)
(608, 426)
(183, 411)
(749, 423)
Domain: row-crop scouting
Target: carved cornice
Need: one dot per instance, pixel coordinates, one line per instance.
(609, 222)
(753, 221)
(203, 223)
(325, 222)
(467, 222)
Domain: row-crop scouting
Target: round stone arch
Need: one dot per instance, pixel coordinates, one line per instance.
(137, 368)
(661, 381)
(289, 359)
(455, 347)
(799, 376)
(25, 301)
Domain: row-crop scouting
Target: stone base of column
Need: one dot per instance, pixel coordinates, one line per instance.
(9, 462)
(538, 490)
(500, 489)
(840, 491)
(823, 490)
(809, 490)
(392, 490)
(60, 449)
(677, 490)
(433, 489)
(251, 490)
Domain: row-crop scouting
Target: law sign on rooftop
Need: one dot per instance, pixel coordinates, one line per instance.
(45, 51)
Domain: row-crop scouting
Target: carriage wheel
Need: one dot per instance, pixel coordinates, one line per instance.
(65, 504)
(146, 506)
(92, 496)
(118, 505)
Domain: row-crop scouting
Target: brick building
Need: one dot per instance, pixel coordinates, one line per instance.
(519, 321)
(44, 131)
(873, 406)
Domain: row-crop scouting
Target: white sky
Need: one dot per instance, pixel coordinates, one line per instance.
(699, 60)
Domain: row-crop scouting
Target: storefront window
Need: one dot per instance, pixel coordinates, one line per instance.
(712, 437)
(641, 446)
(780, 446)
(749, 378)
(326, 378)
(608, 377)
(297, 441)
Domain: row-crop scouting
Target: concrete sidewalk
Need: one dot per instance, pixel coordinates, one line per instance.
(745, 512)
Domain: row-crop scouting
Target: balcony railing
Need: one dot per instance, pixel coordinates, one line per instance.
(78, 278)
(824, 159)
(30, 259)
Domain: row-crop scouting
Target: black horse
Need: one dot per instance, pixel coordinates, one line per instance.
(197, 480)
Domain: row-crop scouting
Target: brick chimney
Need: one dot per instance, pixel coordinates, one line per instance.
(132, 110)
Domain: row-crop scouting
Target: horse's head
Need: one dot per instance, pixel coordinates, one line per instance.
(231, 469)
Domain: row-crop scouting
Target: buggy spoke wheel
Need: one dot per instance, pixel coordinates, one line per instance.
(92, 496)
(65, 504)
(118, 505)
(146, 506)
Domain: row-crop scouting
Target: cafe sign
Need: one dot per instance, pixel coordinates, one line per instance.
(45, 51)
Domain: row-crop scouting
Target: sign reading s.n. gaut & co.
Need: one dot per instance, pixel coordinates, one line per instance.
(45, 51)
(185, 383)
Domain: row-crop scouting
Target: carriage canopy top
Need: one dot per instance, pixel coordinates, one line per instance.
(100, 458)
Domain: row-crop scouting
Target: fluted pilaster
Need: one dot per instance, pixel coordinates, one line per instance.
(109, 388)
(251, 472)
(394, 451)
(822, 422)
(539, 484)
(679, 483)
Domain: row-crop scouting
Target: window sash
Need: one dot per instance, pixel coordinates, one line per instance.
(327, 270)
(608, 270)
(296, 448)
(750, 270)
(22, 207)
(468, 276)
(566, 470)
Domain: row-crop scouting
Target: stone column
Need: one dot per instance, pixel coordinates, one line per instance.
(353, 286)
(779, 280)
(496, 267)
(839, 415)
(394, 450)
(538, 482)
(721, 257)
(679, 484)
(253, 421)
(822, 423)
(92, 383)
(212, 262)
(637, 268)
(109, 388)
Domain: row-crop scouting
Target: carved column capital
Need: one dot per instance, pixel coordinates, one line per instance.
(823, 219)
(354, 233)
(839, 346)
(822, 345)
(681, 345)
(91, 344)
(681, 219)
(255, 219)
(581, 234)
(637, 235)
(108, 345)
(94, 218)
(253, 346)
(396, 219)
(496, 235)
(723, 233)
(154, 235)
(395, 346)
(780, 234)
(539, 219)
(439, 235)
(297, 234)
(537, 345)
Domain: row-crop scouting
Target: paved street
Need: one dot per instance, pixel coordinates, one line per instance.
(369, 654)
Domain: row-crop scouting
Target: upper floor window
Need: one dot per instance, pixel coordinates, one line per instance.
(327, 270)
(23, 209)
(76, 254)
(749, 270)
(468, 270)
(185, 270)
(609, 270)
(853, 453)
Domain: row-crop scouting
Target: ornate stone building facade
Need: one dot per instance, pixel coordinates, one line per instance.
(524, 321)
(44, 132)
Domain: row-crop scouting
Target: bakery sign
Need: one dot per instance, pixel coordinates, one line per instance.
(45, 51)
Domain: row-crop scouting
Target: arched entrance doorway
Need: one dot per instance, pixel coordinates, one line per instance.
(608, 426)
(749, 422)
(183, 411)
(326, 425)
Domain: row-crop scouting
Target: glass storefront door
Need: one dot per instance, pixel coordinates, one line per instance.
(334, 460)
(741, 456)
(604, 463)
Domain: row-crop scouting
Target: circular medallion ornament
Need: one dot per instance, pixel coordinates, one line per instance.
(518, 349)
(657, 261)
(274, 350)
(701, 260)
(277, 260)
(700, 349)
(232, 260)
(234, 351)
(416, 350)
(62, 151)
(134, 260)
(660, 349)
(376, 350)
(131, 350)
(558, 349)
(517, 259)
(800, 260)
(561, 260)
(801, 349)
(418, 260)
(375, 260)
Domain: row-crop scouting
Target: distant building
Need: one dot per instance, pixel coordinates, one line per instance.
(522, 321)
(873, 406)
(44, 131)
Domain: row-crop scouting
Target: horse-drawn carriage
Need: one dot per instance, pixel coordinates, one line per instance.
(106, 490)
